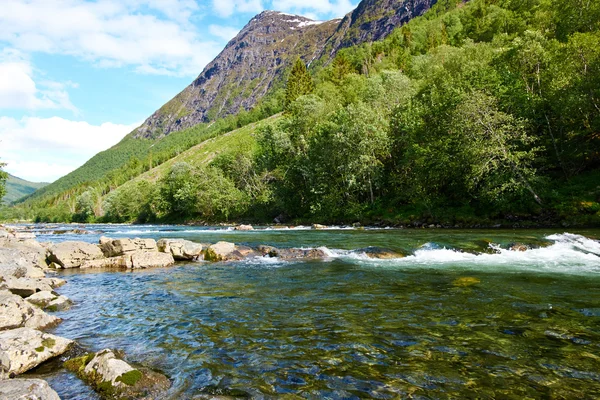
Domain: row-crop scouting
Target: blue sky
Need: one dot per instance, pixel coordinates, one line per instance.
(76, 76)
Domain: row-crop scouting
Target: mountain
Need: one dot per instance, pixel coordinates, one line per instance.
(252, 65)
(17, 188)
(257, 58)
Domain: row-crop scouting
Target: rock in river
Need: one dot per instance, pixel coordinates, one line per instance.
(120, 247)
(113, 377)
(73, 254)
(26, 389)
(180, 249)
(24, 348)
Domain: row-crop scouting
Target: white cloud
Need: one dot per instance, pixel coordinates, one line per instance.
(152, 35)
(224, 32)
(44, 149)
(18, 90)
(335, 8)
(226, 8)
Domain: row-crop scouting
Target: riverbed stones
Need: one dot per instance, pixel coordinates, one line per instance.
(319, 226)
(120, 247)
(113, 377)
(42, 299)
(17, 313)
(182, 250)
(24, 348)
(26, 389)
(73, 254)
(244, 228)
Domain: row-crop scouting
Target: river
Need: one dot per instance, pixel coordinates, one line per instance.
(461, 316)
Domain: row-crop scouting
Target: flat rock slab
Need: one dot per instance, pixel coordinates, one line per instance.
(73, 254)
(22, 349)
(26, 287)
(112, 377)
(26, 389)
(145, 259)
(17, 313)
(119, 262)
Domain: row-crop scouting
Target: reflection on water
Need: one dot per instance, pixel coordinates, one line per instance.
(451, 324)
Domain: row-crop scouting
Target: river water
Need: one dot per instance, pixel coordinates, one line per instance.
(460, 317)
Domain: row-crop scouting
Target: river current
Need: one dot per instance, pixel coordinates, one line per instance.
(462, 316)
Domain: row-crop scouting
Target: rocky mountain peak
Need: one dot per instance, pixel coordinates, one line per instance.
(259, 55)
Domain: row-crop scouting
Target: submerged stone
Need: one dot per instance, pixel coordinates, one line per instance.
(380, 253)
(466, 281)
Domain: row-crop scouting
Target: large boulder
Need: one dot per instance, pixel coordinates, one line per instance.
(180, 249)
(244, 228)
(319, 226)
(145, 259)
(21, 260)
(221, 251)
(115, 378)
(73, 254)
(120, 247)
(293, 253)
(24, 348)
(17, 313)
(26, 389)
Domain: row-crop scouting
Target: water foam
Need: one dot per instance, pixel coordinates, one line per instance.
(569, 254)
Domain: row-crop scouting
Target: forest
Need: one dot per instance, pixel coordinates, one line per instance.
(474, 113)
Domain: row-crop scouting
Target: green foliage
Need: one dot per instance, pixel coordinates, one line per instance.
(3, 178)
(299, 83)
(466, 112)
(17, 188)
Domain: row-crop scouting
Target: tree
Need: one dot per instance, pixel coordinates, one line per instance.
(3, 177)
(299, 83)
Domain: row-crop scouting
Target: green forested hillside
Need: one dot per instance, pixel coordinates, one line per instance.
(475, 113)
(17, 188)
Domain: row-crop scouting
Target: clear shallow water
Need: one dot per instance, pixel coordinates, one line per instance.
(440, 323)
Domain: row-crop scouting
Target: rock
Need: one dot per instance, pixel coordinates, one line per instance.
(144, 259)
(17, 313)
(26, 348)
(219, 251)
(318, 226)
(25, 287)
(120, 247)
(518, 247)
(114, 378)
(180, 249)
(244, 228)
(268, 250)
(380, 253)
(26, 389)
(73, 254)
(22, 260)
(24, 235)
(119, 262)
(60, 303)
(42, 299)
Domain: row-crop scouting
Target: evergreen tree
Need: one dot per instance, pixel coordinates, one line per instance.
(299, 83)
